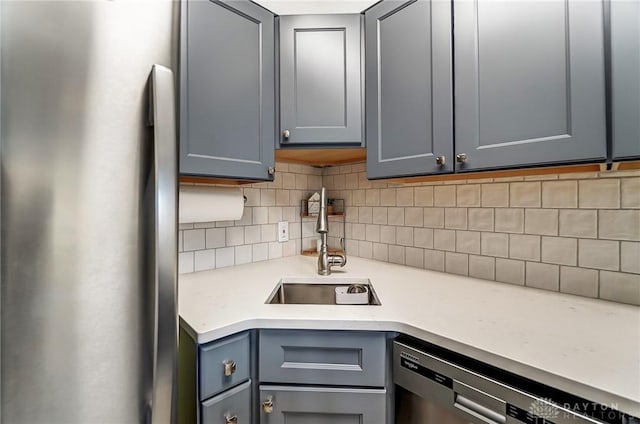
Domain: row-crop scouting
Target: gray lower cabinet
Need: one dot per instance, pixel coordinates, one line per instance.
(310, 405)
(529, 83)
(320, 80)
(227, 90)
(409, 93)
(230, 407)
(625, 78)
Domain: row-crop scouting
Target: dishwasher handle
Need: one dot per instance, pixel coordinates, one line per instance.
(481, 412)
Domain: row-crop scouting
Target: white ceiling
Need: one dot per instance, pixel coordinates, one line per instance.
(313, 7)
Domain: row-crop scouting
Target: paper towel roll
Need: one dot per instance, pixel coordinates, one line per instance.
(207, 204)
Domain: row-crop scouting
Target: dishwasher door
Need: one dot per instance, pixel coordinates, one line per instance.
(413, 409)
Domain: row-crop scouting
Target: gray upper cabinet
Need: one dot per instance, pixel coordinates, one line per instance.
(529, 83)
(320, 80)
(227, 90)
(625, 78)
(409, 88)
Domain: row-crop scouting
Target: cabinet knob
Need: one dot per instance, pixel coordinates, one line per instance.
(461, 157)
(271, 170)
(231, 419)
(229, 368)
(441, 160)
(267, 405)
(286, 134)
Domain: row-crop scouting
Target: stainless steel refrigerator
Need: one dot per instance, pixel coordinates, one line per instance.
(88, 216)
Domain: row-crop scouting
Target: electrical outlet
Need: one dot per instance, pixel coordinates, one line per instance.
(283, 231)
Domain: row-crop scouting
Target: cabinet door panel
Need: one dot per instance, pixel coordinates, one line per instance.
(529, 82)
(327, 405)
(625, 78)
(408, 88)
(227, 90)
(235, 402)
(320, 81)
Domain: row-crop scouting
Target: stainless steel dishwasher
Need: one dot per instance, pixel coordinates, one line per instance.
(434, 390)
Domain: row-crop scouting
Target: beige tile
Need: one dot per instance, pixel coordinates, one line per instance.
(216, 237)
(482, 267)
(444, 196)
(372, 197)
(365, 249)
(194, 239)
(288, 180)
(414, 257)
(600, 254)
(560, 194)
(225, 256)
(404, 236)
(423, 237)
(630, 190)
(579, 223)
(372, 232)
(275, 214)
(542, 276)
(434, 260)
(423, 196)
(252, 195)
(434, 217)
(395, 216)
(388, 234)
(359, 231)
(365, 215)
(620, 287)
(363, 182)
(413, 217)
(267, 197)
(340, 182)
(251, 234)
(359, 197)
(268, 232)
(579, 281)
(380, 252)
(495, 195)
(630, 257)
(404, 196)
(444, 240)
(379, 215)
(495, 244)
(481, 219)
(468, 242)
(358, 167)
(510, 271)
(509, 220)
(302, 182)
(560, 250)
(388, 197)
(185, 262)
(525, 195)
(524, 247)
(396, 254)
(352, 214)
(352, 248)
(455, 218)
(603, 193)
(619, 224)
(468, 195)
(351, 181)
(204, 259)
(457, 263)
(235, 236)
(541, 221)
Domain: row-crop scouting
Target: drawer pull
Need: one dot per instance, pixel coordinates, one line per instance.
(267, 405)
(231, 419)
(229, 368)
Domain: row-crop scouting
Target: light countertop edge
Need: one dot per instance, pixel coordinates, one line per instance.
(208, 324)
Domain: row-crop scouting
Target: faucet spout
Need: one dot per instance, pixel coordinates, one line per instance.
(325, 260)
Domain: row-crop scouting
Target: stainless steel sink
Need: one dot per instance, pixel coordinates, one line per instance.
(312, 291)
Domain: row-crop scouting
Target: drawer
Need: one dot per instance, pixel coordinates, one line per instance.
(337, 358)
(217, 359)
(224, 407)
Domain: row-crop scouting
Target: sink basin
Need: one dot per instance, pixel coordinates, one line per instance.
(316, 291)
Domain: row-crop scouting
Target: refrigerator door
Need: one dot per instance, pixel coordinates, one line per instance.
(83, 326)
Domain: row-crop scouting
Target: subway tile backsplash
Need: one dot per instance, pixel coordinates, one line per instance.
(573, 233)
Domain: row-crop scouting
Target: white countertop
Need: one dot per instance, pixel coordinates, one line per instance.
(587, 347)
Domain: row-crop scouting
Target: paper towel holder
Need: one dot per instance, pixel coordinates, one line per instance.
(245, 198)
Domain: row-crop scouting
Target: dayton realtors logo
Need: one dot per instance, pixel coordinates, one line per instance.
(542, 408)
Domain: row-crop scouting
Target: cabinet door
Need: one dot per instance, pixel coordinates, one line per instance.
(227, 99)
(234, 403)
(529, 82)
(625, 78)
(320, 80)
(409, 88)
(327, 405)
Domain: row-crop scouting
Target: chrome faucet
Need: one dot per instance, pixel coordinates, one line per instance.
(325, 260)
